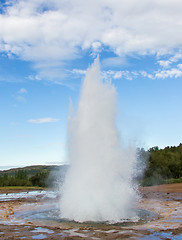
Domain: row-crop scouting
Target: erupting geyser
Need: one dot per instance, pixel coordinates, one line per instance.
(98, 185)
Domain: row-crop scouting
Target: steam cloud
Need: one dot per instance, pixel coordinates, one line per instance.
(98, 185)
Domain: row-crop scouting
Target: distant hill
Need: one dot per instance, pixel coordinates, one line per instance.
(32, 170)
(37, 175)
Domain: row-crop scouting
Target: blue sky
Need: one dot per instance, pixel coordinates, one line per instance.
(45, 49)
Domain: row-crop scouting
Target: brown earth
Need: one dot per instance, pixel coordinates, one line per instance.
(164, 200)
(168, 188)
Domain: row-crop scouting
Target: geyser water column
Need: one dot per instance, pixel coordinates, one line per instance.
(98, 185)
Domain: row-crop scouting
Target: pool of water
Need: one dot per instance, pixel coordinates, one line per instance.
(27, 194)
(44, 218)
(49, 212)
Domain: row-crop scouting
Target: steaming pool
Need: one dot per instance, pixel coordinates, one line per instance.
(50, 214)
(47, 210)
(36, 215)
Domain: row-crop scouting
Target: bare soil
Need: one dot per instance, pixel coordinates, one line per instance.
(164, 200)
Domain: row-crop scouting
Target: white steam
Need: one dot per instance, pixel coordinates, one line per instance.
(98, 186)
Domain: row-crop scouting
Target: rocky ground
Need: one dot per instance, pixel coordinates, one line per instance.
(164, 200)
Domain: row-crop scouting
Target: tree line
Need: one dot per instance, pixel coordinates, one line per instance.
(36, 176)
(21, 178)
(162, 165)
(154, 166)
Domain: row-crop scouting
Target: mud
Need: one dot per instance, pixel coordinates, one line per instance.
(164, 200)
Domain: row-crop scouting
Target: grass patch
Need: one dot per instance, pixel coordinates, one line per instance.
(173, 180)
(21, 188)
(157, 180)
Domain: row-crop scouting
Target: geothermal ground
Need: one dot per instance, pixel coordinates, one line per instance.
(22, 217)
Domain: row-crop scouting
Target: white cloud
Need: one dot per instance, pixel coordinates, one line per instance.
(172, 73)
(126, 26)
(22, 91)
(21, 95)
(96, 48)
(51, 33)
(34, 77)
(117, 75)
(146, 74)
(43, 120)
(172, 60)
(110, 74)
(164, 63)
(176, 57)
(79, 71)
(179, 66)
(114, 62)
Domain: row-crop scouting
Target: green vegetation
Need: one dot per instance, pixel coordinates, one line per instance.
(20, 178)
(32, 176)
(19, 188)
(31, 170)
(155, 166)
(163, 165)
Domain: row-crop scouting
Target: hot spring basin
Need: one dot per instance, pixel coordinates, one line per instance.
(49, 213)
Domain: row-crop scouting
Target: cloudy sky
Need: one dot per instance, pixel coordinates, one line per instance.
(45, 49)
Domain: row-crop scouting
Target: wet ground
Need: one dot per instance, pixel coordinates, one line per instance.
(32, 215)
